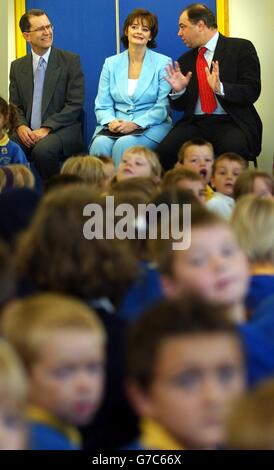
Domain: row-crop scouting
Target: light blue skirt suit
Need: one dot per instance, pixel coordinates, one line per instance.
(148, 106)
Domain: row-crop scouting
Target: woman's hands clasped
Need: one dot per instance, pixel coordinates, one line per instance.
(122, 127)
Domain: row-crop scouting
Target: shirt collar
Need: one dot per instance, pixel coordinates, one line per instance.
(5, 139)
(154, 436)
(36, 57)
(39, 415)
(212, 43)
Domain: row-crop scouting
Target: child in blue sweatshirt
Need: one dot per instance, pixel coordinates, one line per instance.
(10, 152)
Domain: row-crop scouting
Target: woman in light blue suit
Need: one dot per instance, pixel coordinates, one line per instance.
(132, 106)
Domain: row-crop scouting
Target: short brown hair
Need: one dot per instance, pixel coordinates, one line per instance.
(245, 182)
(144, 15)
(170, 319)
(232, 157)
(24, 22)
(142, 185)
(172, 177)
(54, 254)
(189, 143)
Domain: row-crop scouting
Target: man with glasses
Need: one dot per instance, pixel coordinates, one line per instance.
(47, 86)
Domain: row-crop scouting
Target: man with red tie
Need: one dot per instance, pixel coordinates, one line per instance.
(215, 85)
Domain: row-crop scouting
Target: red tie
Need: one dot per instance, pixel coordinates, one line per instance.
(208, 100)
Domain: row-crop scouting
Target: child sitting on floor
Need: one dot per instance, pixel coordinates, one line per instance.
(226, 169)
(10, 152)
(61, 342)
(185, 367)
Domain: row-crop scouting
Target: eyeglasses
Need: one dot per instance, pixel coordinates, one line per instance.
(47, 27)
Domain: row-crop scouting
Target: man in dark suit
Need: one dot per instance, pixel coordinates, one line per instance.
(49, 93)
(232, 75)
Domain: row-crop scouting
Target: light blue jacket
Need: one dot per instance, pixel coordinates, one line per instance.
(147, 107)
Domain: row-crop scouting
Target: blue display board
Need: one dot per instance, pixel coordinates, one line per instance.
(88, 28)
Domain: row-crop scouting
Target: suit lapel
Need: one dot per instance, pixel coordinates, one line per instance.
(146, 76)
(26, 73)
(52, 74)
(121, 76)
(219, 51)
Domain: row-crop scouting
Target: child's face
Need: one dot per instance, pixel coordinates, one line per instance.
(197, 187)
(68, 378)
(213, 267)
(133, 166)
(199, 158)
(225, 176)
(261, 188)
(195, 379)
(12, 428)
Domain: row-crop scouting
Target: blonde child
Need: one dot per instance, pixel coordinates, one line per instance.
(226, 169)
(10, 152)
(253, 224)
(13, 398)
(61, 343)
(16, 176)
(139, 161)
(89, 168)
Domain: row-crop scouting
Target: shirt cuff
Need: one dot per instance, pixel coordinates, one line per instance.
(221, 93)
(176, 94)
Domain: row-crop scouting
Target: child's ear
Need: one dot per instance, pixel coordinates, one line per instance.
(140, 399)
(169, 286)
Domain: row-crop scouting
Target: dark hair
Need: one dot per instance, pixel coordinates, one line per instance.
(189, 143)
(10, 114)
(170, 319)
(172, 177)
(198, 11)
(144, 15)
(54, 254)
(24, 22)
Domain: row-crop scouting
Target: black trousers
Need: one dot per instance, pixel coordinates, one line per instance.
(220, 130)
(45, 154)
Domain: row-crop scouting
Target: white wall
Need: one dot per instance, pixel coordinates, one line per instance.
(7, 41)
(254, 20)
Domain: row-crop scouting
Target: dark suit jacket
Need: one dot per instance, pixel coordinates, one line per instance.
(240, 75)
(63, 95)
